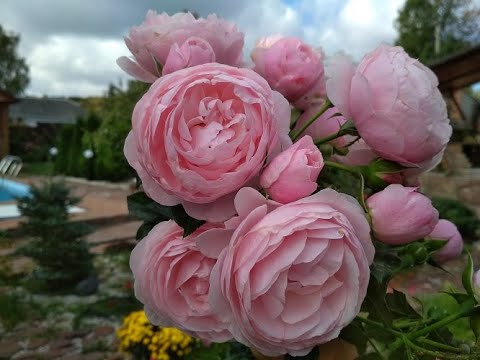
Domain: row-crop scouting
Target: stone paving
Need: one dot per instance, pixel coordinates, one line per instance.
(102, 202)
(36, 343)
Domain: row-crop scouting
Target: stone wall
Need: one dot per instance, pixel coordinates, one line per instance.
(463, 185)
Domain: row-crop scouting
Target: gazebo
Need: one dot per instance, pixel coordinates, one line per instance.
(455, 73)
(5, 100)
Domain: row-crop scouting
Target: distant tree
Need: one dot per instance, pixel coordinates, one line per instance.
(431, 29)
(13, 69)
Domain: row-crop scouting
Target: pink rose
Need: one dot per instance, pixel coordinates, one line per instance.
(152, 41)
(401, 215)
(201, 133)
(172, 281)
(293, 278)
(292, 174)
(325, 125)
(394, 102)
(446, 230)
(290, 66)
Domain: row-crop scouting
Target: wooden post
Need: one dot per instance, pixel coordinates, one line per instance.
(5, 100)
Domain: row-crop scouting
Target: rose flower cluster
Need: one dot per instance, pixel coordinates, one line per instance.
(279, 263)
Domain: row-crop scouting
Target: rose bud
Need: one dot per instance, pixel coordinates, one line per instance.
(446, 230)
(290, 66)
(394, 103)
(292, 174)
(401, 215)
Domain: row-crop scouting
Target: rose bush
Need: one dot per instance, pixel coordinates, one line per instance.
(286, 262)
(201, 133)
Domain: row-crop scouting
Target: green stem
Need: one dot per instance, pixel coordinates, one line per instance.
(377, 350)
(326, 105)
(353, 170)
(465, 310)
(362, 193)
(439, 345)
(421, 349)
(378, 325)
(341, 167)
(328, 138)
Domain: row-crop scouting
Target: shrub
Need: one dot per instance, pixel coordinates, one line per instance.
(462, 216)
(57, 245)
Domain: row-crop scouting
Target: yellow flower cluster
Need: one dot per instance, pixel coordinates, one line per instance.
(162, 343)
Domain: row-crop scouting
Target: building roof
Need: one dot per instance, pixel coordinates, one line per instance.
(46, 111)
(459, 70)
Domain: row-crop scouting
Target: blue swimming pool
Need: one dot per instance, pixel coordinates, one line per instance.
(10, 190)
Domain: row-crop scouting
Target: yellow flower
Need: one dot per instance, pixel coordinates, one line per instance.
(162, 343)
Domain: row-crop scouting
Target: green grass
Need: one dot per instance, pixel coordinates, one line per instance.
(99, 345)
(38, 168)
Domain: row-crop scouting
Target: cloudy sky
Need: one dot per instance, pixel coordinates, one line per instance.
(71, 45)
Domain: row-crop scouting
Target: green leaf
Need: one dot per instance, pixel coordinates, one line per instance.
(460, 298)
(143, 230)
(398, 305)
(386, 265)
(312, 355)
(355, 335)
(374, 303)
(188, 223)
(467, 276)
(144, 208)
(475, 324)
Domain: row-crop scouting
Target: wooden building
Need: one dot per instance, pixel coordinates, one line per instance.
(5, 100)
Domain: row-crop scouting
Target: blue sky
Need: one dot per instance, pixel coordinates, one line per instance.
(71, 46)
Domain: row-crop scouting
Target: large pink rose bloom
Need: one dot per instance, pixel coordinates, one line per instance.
(172, 281)
(201, 133)
(446, 230)
(293, 278)
(394, 102)
(401, 215)
(290, 66)
(179, 41)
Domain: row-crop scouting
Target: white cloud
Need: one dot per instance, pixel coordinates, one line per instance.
(74, 65)
(357, 27)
